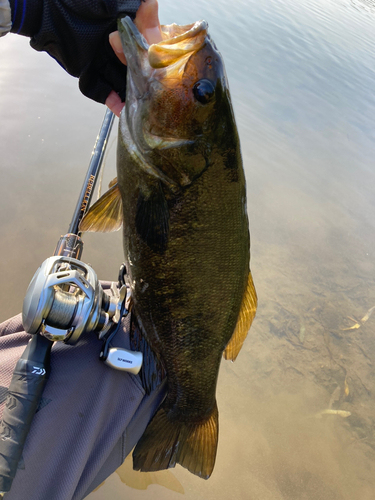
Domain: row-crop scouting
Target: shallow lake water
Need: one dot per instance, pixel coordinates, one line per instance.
(297, 408)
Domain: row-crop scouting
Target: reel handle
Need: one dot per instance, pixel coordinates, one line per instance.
(25, 392)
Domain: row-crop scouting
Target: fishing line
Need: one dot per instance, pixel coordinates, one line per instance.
(103, 167)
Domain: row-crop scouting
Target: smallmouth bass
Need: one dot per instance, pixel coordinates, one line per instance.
(186, 236)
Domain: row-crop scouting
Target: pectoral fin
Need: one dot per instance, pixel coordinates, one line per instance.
(105, 215)
(245, 318)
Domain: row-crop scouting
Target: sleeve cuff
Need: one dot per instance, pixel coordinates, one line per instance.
(5, 17)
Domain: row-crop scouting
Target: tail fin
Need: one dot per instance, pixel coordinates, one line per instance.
(166, 442)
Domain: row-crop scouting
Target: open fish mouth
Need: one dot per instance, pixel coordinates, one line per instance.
(178, 42)
(172, 52)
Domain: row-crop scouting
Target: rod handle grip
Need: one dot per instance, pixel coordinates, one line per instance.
(24, 395)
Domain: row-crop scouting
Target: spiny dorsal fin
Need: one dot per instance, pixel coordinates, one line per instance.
(105, 215)
(244, 320)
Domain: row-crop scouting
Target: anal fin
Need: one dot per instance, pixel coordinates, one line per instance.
(244, 320)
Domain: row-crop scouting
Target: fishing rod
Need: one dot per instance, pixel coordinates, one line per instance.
(64, 300)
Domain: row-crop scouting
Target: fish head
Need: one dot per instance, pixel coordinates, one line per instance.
(178, 106)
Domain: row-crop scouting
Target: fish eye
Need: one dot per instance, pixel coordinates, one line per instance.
(203, 91)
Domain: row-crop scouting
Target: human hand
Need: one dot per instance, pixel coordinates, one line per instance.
(147, 21)
(76, 34)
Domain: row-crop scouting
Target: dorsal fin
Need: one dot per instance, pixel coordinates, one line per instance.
(244, 320)
(105, 215)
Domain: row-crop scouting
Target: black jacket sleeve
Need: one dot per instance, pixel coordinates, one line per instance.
(75, 33)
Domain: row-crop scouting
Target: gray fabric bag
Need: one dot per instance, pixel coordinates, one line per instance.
(89, 419)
